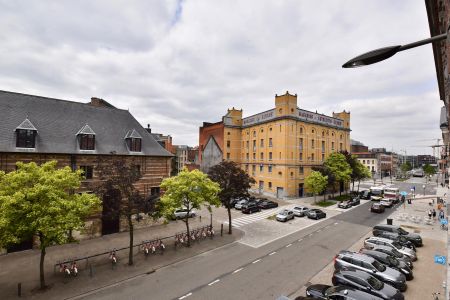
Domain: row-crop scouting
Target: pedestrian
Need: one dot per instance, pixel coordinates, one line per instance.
(441, 214)
(429, 214)
(434, 214)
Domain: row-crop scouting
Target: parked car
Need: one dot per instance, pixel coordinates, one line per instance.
(250, 208)
(363, 281)
(268, 204)
(300, 211)
(355, 201)
(393, 252)
(388, 202)
(366, 195)
(402, 240)
(240, 204)
(315, 214)
(358, 261)
(322, 291)
(182, 212)
(345, 204)
(285, 215)
(377, 207)
(413, 237)
(390, 261)
(386, 242)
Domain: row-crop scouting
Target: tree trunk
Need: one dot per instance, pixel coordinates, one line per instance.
(41, 263)
(315, 198)
(358, 185)
(229, 219)
(353, 185)
(131, 229)
(187, 230)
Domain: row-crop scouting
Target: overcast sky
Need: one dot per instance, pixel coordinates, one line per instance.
(175, 64)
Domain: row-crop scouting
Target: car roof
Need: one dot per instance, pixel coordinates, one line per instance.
(374, 253)
(380, 239)
(381, 226)
(357, 273)
(356, 255)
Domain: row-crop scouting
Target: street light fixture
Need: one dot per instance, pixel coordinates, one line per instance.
(378, 55)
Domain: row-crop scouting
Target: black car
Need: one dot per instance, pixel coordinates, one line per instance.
(355, 201)
(365, 282)
(377, 207)
(250, 208)
(268, 204)
(402, 240)
(365, 194)
(394, 253)
(390, 261)
(323, 291)
(315, 214)
(345, 204)
(413, 237)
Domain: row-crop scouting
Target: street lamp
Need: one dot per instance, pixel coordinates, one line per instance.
(380, 54)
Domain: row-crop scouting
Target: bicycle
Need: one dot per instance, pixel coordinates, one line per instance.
(435, 295)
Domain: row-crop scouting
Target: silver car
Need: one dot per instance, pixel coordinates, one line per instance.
(371, 241)
(300, 211)
(182, 212)
(285, 215)
(240, 204)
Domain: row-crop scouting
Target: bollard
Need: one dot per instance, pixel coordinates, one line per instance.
(19, 289)
(221, 229)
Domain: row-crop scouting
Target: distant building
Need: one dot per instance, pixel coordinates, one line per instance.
(368, 159)
(426, 159)
(358, 147)
(210, 148)
(185, 156)
(164, 140)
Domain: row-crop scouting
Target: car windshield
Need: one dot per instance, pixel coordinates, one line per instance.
(284, 212)
(397, 245)
(402, 239)
(380, 267)
(334, 289)
(396, 253)
(402, 231)
(392, 261)
(375, 283)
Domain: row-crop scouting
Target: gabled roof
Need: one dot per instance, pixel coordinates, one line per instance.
(26, 124)
(86, 130)
(133, 134)
(60, 120)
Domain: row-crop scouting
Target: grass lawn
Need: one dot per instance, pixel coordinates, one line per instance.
(325, 203)
(273, 217)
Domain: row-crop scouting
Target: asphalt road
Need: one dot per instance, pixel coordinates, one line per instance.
(237, 271)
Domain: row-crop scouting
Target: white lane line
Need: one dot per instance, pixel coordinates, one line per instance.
(272, 253)
(238, 270)
(336, 223)
(287, 246)
(300, 240)
(215, 281)
(185, 296)
(256, 261)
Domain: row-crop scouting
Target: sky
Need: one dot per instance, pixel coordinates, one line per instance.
(175, 64)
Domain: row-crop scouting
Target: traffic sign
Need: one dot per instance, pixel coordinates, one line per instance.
(444, 221)
(440, 259)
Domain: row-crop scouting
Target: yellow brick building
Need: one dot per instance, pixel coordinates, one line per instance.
(278, 147)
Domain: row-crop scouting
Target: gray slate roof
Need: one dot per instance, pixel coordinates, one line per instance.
(58, 122)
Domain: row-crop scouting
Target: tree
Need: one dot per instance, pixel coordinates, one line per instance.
(234, 183)
(39, 201)
(316, 183)
(406, 167)
(338, 166)
(361, 172)
(429, 170)
(353, 163)
(120, 176)
(331, 178)
(190, 190)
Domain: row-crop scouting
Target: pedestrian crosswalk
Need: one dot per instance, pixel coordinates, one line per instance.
(248, 219)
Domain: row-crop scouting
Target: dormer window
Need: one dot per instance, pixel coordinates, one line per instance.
(86, 138)
(26, 135)
(134, 141)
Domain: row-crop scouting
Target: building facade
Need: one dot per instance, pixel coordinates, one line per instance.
(369, 160)
(358, 147)
(277, 147)
(81, 136)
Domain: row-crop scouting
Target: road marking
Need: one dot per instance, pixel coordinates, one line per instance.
(185, 296)
(215, 281)
(256, 261)
(288, 245)
(300, 240)
(336, 223)
(272, 253)
(238, 270)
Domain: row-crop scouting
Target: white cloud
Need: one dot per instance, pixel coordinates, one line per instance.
(175, 64)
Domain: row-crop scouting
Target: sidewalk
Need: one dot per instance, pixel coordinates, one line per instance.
(23, 266)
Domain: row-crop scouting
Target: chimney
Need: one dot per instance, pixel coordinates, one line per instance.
(149, 129)
(98, 102)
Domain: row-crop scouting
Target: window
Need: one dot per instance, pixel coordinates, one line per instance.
(228, 144)
(262, 130)
(254, 145)
(254, 133)
(88, 171)
(364, 161)
(246, 156)
(300, 143)
(247, 143)
(254, 155)
(269, 168)
(312, 131)
(373, 162)
(292, 174)
(332, 146)
(301, 129)
(312, 157)
(270, 129)
(247, 132)
(136, 168)
(270, 142)
(246, 168)
(261, 168)
(312, 144)
(134, 144)
(323, 133)
(261, 155)
(323, 157)
(340, 146)
(301, 170)
(262, 143)
(228, 133)
(253, 169)
(301, 156)
(323, 146)
(280, 155)
(280, 127)
(25, 138)
(270, 155)
(270, 184)
(87, 142)
(228, 155)
(155, 191)
(341, 137)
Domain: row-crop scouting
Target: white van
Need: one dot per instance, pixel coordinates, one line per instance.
(377, 193)
(392, 193)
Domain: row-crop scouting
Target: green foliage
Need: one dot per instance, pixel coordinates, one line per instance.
(325, 203)
(406, 167)
(39, 201)
(342, 198)
(362, 172)
(338, 166)
(190, 190)
(316, 183)
(429, 170)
